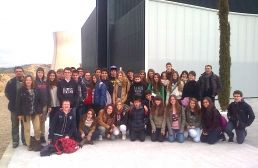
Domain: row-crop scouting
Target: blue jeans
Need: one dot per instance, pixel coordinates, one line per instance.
(240, 134)
(73, 111)
(176, 135)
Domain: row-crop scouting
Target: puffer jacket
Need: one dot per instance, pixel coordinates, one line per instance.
(100, 94)
(136, 118)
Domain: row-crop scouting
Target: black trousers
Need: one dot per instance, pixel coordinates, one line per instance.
(139, 134)
(211, 138)
(157, 136)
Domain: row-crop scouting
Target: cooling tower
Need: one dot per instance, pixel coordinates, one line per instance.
(65, 50)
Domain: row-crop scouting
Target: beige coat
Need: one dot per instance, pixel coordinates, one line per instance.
(124, 94)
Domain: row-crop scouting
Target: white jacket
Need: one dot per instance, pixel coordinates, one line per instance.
(175, 92)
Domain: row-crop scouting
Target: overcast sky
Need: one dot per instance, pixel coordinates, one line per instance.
(27, 26)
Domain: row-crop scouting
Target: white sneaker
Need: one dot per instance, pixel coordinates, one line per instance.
(100, 137)
(124, 137)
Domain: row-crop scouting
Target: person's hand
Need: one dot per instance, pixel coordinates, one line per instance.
(40, 115)
(153, 132)
(82, 135)
(19, 117)
(204, 133)
(188, 126)
(145, 108)
(111, 130)
(108, 136)
(66, 136)
(88, 138)
(49, 110)
(193, 127)
(131, 103)
(163, 133)
(49, 142)
(113, 125)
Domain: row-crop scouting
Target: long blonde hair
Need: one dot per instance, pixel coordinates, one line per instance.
(124, 81)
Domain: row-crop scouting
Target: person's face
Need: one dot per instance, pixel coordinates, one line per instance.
(113, 72)
(67, 74)
(184, 75)
(137, 80)
(148, 97)
(191, 77)
(119, 106)
(137, 104)
(142, 75)
(60, 75)
(66, 106)
(173, 100)
(157, 102)
(18, 73)
(40, 74)
(98, 72)
(103, 75)
(52, 77)
(156, 78)
(205, 103)
(87, 76)
(164, 76)
(208, 69)
(89, 115)
(28, 82)
(94, 79)
(120, 76)
(151, 74)
(80, 73)
(109, 110)
(75, 76)
(130, 74)
(192, 104)
(175, 76)
(237, 98)
(169, 68)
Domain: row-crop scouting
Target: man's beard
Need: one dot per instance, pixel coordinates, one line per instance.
(20, 78)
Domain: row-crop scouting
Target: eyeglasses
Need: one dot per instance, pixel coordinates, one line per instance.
(18, 71)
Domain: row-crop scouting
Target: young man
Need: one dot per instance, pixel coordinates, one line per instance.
(210, 84)
(130, 75)
(106, 81)
(80, 73)
(137, 114)
(148, 101)
(11, 91)
(68, 90)
(44, 93)
(169, 70)
(136, 89)
(98, 71)
(112, 77)
(81, 96)
(240, 115)
(60, 74)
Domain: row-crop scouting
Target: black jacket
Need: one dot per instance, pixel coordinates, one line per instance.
(191, 89)
(69, 91)
(109, 86)
(62, 124)
(10, 93)
(124, 117)
(44, 92)
(136, 91)
(24, 106)
(136, 118)
(241, 113)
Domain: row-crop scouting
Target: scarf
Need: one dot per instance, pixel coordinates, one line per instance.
(207, 81)
(174, 81)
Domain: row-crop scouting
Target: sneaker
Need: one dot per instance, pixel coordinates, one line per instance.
(188, 136)
(42, 140)
(124, 137)
(29, 148)
(230, 139)
(100, 137)
(15, 144)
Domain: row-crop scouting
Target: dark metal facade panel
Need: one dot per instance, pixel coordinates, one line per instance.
(89, 43)
(241, 6)
(128, 40)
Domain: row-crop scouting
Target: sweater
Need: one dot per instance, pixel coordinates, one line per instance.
(161, 93)
(191, 89)
(44, 92)
(69, 91)
(211, 123)
(158, 121)
(137, 91)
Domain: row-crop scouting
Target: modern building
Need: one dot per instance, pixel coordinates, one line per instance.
(143, 34)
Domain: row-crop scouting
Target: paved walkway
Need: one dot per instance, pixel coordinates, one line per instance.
(122, 154)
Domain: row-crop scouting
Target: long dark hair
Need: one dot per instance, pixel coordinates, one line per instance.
(113, 111)
(84, 117)
(144, 79)
(209, 109)
(150, 80)
(92, 83)
(160, 107)
(54, 82)
(169, 106)
(157, 86)
(197, 109)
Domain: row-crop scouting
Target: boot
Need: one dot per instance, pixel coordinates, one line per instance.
(29, 148)
(42, 140)
(37, 146)
(84, 140)
(89, 142)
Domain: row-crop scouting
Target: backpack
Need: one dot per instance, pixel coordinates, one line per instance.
(69, 145)
(223, 122)
(88, 99)
(108, 97)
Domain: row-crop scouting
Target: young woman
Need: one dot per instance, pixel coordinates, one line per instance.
(150, 76)
(158, 120)
(52, 81)
(165, 82)
(88, 128)
(29, 108)
(175, 115)
(157, 87)
(106, 120)
(143, 77)
(121, 87)
(184, 76)
(98, 93)
(175, 87)
(193, 119)
(191, 88)
(211, 125)
(121, 121)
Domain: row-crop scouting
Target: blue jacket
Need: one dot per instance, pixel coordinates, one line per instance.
(137, 117)
(100, 94)
(62, 124)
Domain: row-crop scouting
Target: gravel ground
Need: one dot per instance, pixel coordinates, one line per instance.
(5, 124)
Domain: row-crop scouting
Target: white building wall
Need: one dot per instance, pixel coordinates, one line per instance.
(188, 37)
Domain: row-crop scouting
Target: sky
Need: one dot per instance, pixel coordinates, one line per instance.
(27, 26)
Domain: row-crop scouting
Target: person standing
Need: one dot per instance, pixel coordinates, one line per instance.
(113, 72)
(210, 84)
(169, 70)
(11, 93)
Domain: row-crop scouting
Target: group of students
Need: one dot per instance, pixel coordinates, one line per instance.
(86, 106)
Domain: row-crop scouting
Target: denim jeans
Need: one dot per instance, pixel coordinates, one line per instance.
(240, 134)
(15, 128)
(176, 135)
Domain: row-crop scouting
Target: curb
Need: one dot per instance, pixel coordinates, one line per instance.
(7, 156)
